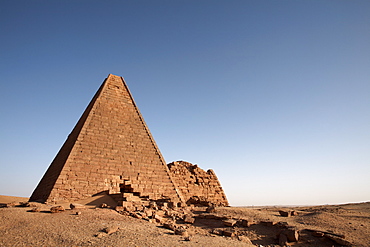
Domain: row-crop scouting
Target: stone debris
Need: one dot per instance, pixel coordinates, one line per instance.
(104, 205)
(76, 206)
(198, 187)
(111, 229)
(291, 233)
(229, 233)
(36, 209)
(288, 213)
(283, 240)
(229, 222)
(189, 219)
(338, 240)
(245, 239)
(181, 231)
(57, 209)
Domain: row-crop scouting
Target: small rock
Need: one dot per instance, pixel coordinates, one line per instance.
(36, 209)
(170, 226)
(100, 235)
(245, 239)
(211, 209)
(189, 219)
(291, 233)
(317, 234)
(267, 223)
(24, 204)
(293, 213)
(188, 238)
(217, 232)
(57, 209)
(111, 229)
(158, 218)
(244, 223)
(338, 240)
(78, 213)
(104, 205)
(181, 231)
(284, 213)
(76, 206)
(229, 233)
(283, 240)
(229, 222)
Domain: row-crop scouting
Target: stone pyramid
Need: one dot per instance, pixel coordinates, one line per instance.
(109, 148)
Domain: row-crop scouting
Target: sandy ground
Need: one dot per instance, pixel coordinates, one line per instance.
(20, 227)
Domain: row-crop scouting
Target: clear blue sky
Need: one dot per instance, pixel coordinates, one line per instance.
(272, 95)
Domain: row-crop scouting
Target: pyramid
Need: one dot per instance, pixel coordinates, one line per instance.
(110, 148)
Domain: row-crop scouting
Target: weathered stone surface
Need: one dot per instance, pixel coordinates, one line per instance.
(197, 186)
(57, 209)
(110, 144)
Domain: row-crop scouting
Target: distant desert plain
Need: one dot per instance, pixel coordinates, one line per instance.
(97, 222)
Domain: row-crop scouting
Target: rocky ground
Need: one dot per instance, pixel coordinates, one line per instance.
(91, 225)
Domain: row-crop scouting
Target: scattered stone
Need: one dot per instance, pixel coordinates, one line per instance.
(100, 235)
(338, 240)
(284, 213)
(189, 219)
(181, 231)
(267, 223)
(293, 213)
(24, 204)
(217, 232)
(78, 213)
(104, 205)
(188, 238)
(291, 233)
(229, 222)
(170, 226)
(317, 234)
(244, 223)
(283, 239)
(158, 218)
(245, 239)
(76, 206)
(229, 233)
(57, 209)
(111, 229)
(36, 209)
(211, 209)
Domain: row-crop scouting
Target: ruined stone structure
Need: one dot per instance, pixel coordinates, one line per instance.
(110, 150)
(196, 185)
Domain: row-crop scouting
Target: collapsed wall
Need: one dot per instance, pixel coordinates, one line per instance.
(197, 186)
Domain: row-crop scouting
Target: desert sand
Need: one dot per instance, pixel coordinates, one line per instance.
(87, 226)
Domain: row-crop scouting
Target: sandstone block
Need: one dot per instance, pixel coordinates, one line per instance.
(229, 222)
(57, 209)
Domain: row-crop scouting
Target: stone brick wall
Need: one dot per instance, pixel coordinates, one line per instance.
(109, 144)
(196, 185)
